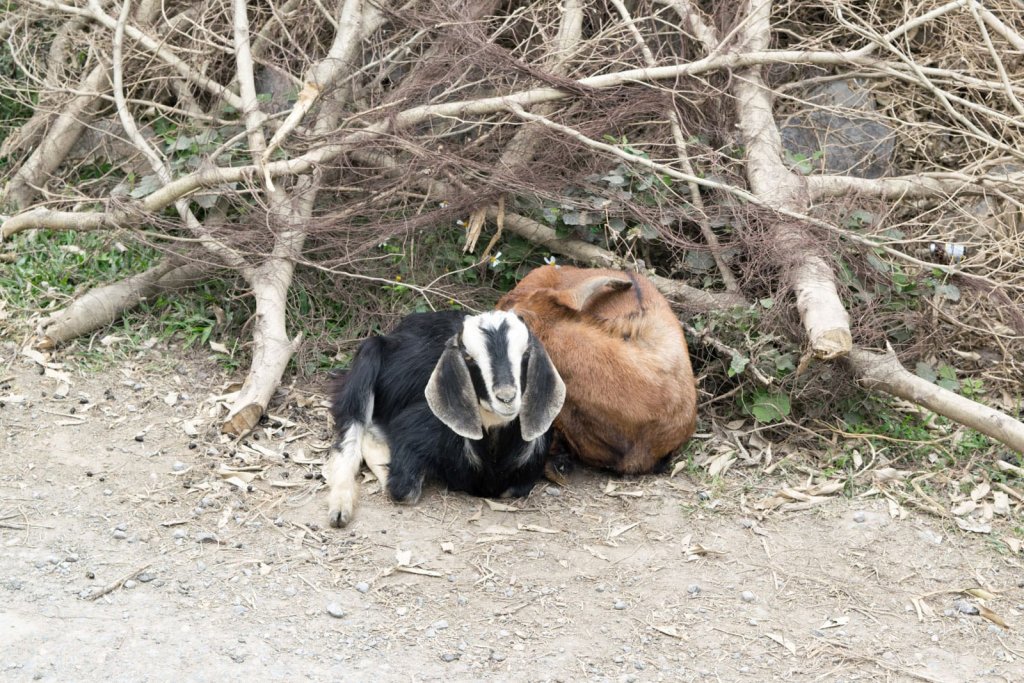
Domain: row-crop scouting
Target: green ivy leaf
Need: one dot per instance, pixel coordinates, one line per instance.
(738, 365)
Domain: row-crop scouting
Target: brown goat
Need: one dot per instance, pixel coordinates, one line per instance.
(630, 394)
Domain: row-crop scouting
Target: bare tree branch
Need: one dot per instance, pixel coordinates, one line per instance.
(884, 371)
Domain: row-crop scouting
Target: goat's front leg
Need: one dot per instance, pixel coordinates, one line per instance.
(340, 473)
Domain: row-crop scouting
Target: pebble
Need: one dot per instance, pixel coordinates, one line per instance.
(440, 625)
(498, 656)
(178, 466)
(693, 589)
(145, 577)
(205, 537)
(553, 491)
(747, 523)
(120, 534)
(619, 604)
(463, 601)
(140, 437)
(859, 516)
(107, 492)
(363, 587)
(180, 533)
(704, 495)
(335, 610)
(965, 607)
(130, 584)
(450, 656)
(747, 596)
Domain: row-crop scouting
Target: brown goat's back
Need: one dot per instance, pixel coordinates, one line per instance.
(630, 393)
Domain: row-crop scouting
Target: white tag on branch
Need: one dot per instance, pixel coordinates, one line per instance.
(219, 348)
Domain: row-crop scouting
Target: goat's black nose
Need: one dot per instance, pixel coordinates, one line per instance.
(505, 394)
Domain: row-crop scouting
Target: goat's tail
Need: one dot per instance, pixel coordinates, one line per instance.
(352, 409)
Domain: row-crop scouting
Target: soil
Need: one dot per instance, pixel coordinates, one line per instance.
(134, 551)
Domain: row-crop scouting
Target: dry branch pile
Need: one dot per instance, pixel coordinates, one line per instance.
(827, 153)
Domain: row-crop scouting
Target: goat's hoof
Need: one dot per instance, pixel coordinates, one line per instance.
(339, 519)
(557, 468)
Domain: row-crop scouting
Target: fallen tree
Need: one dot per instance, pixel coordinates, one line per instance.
(632, 134)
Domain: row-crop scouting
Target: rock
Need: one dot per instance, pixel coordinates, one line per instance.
(450, 656)
(363, 587)
(693, 589)
(130, 584)
(335, 610)
(553, 491)
(747, 596)
(440, 625)
(619, 604)
(965, 607)
(120, 535)
(859, 516)
(838, 122)
(178, 466)
(145, 577)
(497, 656)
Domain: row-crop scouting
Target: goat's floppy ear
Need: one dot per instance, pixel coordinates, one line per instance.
(543, 393)
(578, 297)
(451, 396)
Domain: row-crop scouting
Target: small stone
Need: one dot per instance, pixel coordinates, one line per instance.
(402, 611)
(120, 535)
(859, 516)
(693, 589)
(440, 625)
(130, 584)
(553, 491)
(205, 537)
(180, 533)
(335, 610)
(145, 577)
(498, 656)
(450, 656)
(704, 495)
(363, 587)
(53, 559)
(747, 596)
(619, 604)
(177, 466)
(73, 557)
(140, 437)
(463, 601)
(965, 607)
(107, 492)
(747, 523)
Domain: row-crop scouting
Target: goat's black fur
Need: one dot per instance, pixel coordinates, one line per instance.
(386, 393)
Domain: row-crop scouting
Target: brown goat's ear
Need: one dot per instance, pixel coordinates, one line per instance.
(543, 393)
(578, 297)
(451, 396)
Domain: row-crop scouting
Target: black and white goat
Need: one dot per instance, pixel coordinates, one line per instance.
(467, 400)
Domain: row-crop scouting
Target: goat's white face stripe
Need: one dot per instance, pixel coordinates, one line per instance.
(475, 334)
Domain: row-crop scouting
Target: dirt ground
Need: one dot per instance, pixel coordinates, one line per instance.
(134, 551)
